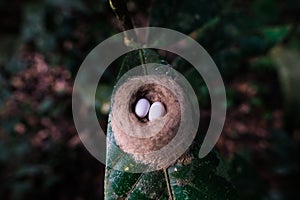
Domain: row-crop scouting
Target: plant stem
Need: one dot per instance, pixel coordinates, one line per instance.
(120, 9)
(143, 62)
(168, 184)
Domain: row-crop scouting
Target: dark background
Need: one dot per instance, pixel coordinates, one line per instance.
(255, 44)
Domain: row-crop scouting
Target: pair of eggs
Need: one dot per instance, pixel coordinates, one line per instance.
(154, 111)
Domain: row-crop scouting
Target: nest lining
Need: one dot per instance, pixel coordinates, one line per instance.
(140, 136)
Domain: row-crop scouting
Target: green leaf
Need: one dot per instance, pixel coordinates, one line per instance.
(200, 179)
(263, 63)
(189, 178)
(276, 34)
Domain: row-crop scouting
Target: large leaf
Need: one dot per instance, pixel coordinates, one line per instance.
(189, 178)
(200, 179)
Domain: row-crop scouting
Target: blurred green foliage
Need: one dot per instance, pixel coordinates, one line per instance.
(43, 42)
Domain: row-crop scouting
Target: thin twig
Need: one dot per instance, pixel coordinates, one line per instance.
(120, 9)
(168, 184)
(143, 62)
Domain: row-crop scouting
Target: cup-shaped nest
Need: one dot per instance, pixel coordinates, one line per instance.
(137, 136)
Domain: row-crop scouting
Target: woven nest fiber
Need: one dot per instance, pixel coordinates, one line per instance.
(140, 136)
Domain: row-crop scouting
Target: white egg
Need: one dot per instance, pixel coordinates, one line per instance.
(142, 107)
(156, 111)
